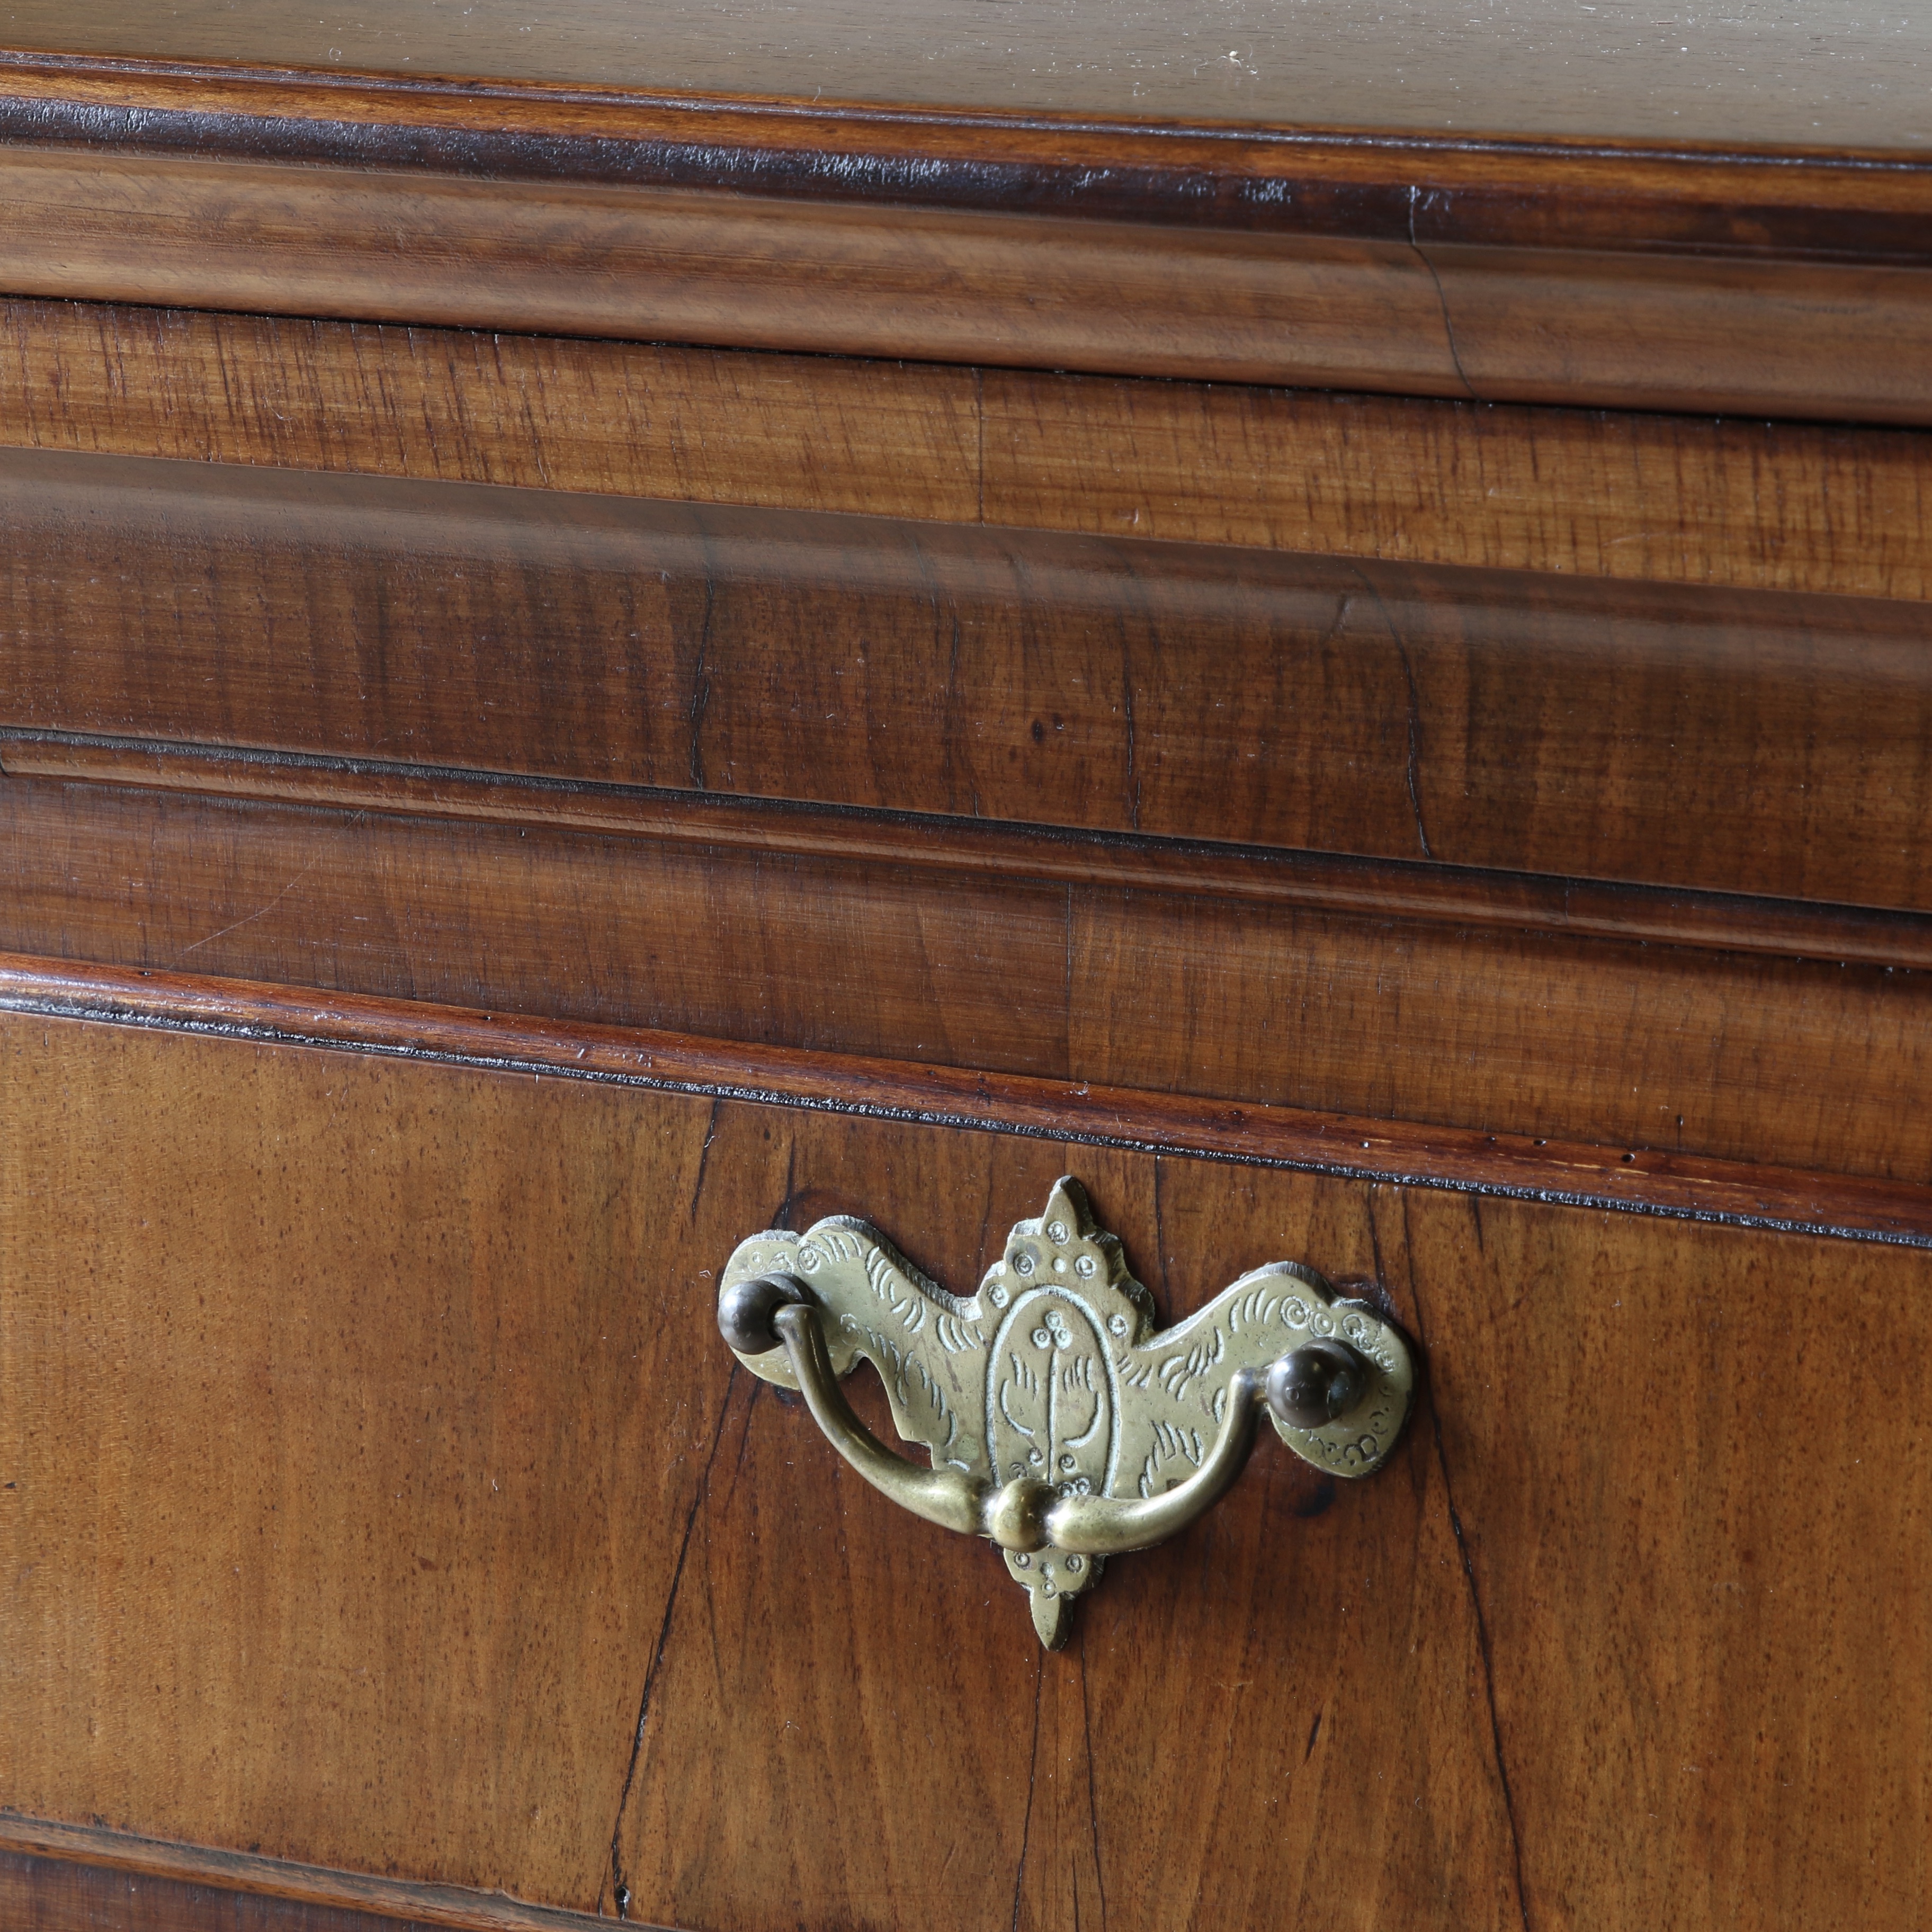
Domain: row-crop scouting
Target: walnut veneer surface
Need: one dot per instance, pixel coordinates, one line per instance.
(382, 1494)
(588, 667)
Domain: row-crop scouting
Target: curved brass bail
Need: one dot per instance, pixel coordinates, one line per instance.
(1060, 1425)
(1019, 1515)
(944, 1496)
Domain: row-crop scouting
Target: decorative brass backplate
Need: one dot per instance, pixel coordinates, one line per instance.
(1059, 1422)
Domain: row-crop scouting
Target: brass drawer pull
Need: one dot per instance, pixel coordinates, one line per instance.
(1060, 1425)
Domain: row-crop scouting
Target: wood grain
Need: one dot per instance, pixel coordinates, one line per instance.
(1774, 506)
(1348, 303)
(600, 259)
(541, 412)
(1348, 1689)
(1697, 1782)
(1642, 1181)
(1563, 1038)
(1748, 504)
(81, 1878)
(323, 1538)
(1669, 736)
(1658, 333)
(1440, 894)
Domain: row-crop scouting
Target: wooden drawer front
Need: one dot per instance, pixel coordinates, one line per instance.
(378, 1494)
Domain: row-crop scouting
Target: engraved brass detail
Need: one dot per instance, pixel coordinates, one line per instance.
(1060, 1423)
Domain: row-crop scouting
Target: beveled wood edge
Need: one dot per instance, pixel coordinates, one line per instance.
(686, 260)
(1409, 1154)
(1488, 273)
(414, 1900)
(1371, 888)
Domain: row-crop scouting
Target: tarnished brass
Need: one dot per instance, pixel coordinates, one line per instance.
(1060, 1424)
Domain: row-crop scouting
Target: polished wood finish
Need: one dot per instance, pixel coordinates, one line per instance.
(628, 419)
(1665, 735)
(1578, 326)
(1637, 1180)
(81, 1878)
(432, 1435)
(600, 259)
(1442, 894)
(1507, 1032)
(1620, 1489)
(1751, 505)
(1754, 505)
(1360, 297)
(524, 760)
(789, 1704)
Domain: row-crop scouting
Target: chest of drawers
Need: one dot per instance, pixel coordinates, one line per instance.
(613, 638)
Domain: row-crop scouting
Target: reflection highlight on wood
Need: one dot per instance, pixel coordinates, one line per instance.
(1775, 506)
(542, 413)
(1750, 505)
(1717, 740)
(606, 259)
(82, 1878)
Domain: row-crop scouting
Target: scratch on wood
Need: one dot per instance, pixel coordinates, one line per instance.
(1475, 1594)
(1033, 1776)
(700, 680)
(704, 1157)
(1413, 764)
(620, 1891)
(1093, 1793)
(1441, 297)
(261, 912)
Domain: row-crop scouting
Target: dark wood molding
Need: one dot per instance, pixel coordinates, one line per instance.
(1636, 1180)
(1791, 284)
(1684, 737)
(1445, 895)
(733, 270)
(1835, 201)
(1565, 1037)
(391, 1904)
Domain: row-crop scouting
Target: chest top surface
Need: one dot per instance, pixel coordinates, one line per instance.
(1839, 73)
